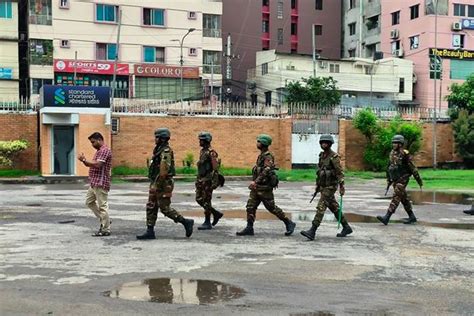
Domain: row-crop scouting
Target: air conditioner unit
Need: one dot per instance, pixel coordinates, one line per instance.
(290, 67)
(323, 64)
(394, 34)
(400, 52)
(457, 26)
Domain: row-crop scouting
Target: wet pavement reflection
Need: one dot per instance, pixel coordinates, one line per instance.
(422, 197)
(178, 291)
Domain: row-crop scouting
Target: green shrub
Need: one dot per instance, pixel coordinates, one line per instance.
(10, 149)
(188, 160)
(463, 128)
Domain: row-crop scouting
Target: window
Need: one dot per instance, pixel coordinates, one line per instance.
(435, 67)
(318, 30)
(41, 52)
(401, 85)
(192, 15)
(153, 17)
(352, 28)
(280, 36)
(211, 25)
(64, 4)
(265, 3)
(6, 9)
(395, 18)
(193, 52)
(352, 4)
(264, 69)
(105, 51)
(352, 52)
(294, 28)
(65, 43)
(372, 22)
(414, 12)
(265, 26)
(470, 11)
(211, 60)
(280, 9)
(37, 84)
(459, 9)
(395, 47)
(460, 69)
(40, 12)
(319, 4)
(334, 68)
(458, 40)
(268, 98)
(106, 13)
(154, 54)
(294, 4)
(168, 88)
(414, 42)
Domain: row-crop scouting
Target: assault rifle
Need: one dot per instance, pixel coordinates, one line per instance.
(389, 183)
(314, 194)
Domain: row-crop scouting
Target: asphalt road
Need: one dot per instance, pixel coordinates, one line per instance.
(50, 264)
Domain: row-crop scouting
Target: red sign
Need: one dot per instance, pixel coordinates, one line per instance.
(90, 67)
(164, 71)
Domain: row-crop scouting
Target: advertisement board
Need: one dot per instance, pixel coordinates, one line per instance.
(165, 71)
(75, 96)
(90, 67)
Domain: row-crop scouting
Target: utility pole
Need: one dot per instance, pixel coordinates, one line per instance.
(361, 13)
(212, 81)
(181, 62)
(313, 37)
(75, 67)
(371, 86)
(114, 78)
(435, 61)
(229, 57)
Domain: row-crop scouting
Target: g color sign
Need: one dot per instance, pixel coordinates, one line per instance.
(67, 96)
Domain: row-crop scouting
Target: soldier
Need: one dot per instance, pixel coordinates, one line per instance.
(261, 188)
(399, 170)
(328, 177)
(160, 173)
(207, 169)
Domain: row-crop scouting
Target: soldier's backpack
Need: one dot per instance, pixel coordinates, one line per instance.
(273, 179)
(217, 179)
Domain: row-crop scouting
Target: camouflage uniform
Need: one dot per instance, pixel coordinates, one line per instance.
(206, 166)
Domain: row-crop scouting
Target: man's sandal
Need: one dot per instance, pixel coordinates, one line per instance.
(101, 234)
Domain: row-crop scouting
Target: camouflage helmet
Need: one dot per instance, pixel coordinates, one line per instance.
(162, 132)
(205, 136)
(264, 139)
(398, 139)
(326, 138)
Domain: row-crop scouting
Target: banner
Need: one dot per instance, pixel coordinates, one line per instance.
(452, 53)
(74, 96)
(164, 71)
(90, 67)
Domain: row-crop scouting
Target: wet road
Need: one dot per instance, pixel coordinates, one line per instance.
(50, 265)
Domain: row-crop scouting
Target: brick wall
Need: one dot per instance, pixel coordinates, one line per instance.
(21, 126)
(234, 139)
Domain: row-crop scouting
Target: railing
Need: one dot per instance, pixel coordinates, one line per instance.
(211, 32)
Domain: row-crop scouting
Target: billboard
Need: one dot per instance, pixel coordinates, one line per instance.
(90, 67)
(165, 71)
(75, 96)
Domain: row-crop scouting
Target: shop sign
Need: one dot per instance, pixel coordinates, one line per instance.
(467, 24)
(452, 53)
(164, 71)
(74, 96)
(6, 73)
(90, 67)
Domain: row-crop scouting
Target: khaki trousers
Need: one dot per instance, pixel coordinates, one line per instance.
(96, 200)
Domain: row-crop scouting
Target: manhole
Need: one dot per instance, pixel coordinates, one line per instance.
(178, 291)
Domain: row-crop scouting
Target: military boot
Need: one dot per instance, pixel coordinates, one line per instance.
(346, 230)
(217, 216)
(385, 219)
(469, 212)
(150, 234)
(310, 233)
(247, 231)
(411, 218)
(290, 227)
(207, 223)
(188, 226)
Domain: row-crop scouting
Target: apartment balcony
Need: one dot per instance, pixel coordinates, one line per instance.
(294, 12)
(294, 39)
(372, 36)
(266, 36)
(266, 9)
(372, 8)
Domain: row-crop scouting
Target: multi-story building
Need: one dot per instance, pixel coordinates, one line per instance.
(411, 30)
(362, 81)
(73, 42)
(9, 65)
(361, 27)
(284, 25)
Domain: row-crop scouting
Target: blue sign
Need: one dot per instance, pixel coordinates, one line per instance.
(75, 96)
(6, 73)
(467, 24)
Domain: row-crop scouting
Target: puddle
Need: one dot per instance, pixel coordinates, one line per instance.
(177, 291)
(34, 204)
(261, 214)
(321, 313)
(427, 197)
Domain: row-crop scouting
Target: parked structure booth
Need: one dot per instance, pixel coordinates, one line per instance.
(68, 115)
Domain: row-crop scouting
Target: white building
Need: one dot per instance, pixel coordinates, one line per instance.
(363, 82)
(9, 70)
(61, 32)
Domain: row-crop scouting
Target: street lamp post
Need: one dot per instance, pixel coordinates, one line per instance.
(181, 62)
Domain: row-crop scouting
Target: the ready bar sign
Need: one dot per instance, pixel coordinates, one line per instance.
(452, 53)
(70, 96)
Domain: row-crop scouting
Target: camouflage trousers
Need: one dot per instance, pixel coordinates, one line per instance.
(159, 197)
(327, 200)
(204, 196)
(400, 195)
(266, 197)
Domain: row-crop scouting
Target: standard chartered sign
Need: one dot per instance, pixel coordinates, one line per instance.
(66, 96)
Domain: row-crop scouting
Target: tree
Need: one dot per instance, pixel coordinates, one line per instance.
(9, 149)
(318, 91)
(462, 114)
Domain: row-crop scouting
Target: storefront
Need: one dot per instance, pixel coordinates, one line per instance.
(92, 74)
(162, 82)
(68, 115)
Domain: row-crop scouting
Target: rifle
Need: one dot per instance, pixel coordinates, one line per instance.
(389, 183)
(314, 194)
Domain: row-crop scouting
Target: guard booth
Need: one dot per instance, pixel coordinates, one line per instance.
(68, 115)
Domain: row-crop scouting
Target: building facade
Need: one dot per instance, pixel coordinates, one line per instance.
(411, 30)
(9, 63)
(75, 43)
(284, 25)
(361, 27)
(362, 81)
